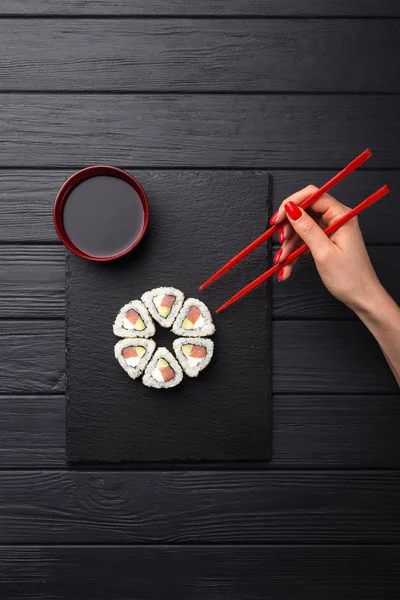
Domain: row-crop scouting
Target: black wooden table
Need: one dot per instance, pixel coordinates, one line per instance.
(174, 91)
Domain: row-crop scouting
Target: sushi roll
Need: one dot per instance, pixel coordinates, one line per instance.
(163, 303)
(134, 354)
(133, 320)
(194, 354)
(194, 320)
(163, 371)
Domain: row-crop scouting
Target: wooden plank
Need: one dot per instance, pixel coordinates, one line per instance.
(26, 207)
(380, 224)
(336, 431)
(195, 573)
(361, 8)
(32, 431)
(32, 281)
(27, 196)
(212, 55)
(304, 296)
(199, 507)
(309, 431)
(34, 276)
(324, 357)
(32, 356)
(197, 130)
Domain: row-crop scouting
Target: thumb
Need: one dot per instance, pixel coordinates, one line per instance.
(308, 230)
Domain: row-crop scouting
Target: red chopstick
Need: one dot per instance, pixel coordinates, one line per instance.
(331, 229)
(352, 166)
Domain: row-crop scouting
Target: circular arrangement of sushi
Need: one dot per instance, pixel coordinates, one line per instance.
(189, 319)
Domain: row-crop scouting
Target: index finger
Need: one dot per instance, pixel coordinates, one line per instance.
(326, 205)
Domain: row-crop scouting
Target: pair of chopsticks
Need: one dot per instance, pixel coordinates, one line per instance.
(352, 166)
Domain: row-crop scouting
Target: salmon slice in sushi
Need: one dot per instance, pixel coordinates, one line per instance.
(163, 371)
(194, 354)
(134, 354)
(194, 320)
(133, 320)
(163, 303)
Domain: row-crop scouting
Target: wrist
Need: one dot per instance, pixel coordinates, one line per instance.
(381, 315)
(373, 303)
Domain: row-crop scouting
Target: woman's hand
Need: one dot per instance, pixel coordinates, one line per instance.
(342, 260)
(343, 264)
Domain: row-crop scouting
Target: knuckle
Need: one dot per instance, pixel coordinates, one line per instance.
(311, 188)
(308, 227)
(324, 256)
(342, 209)
(336, 210)
(355, 221)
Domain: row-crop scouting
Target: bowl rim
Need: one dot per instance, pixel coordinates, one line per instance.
(72, 182)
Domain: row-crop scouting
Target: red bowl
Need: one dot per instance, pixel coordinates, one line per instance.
(75, 180)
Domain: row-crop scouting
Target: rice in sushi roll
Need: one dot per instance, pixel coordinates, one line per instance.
(133, 320)
(163, 304)
(194, 354)
(194, 320)
(163, 371)
(134, 354)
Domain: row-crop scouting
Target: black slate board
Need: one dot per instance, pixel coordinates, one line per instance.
(224, 414)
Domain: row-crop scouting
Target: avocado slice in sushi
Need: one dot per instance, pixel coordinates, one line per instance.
(133, 320)
(163, 304)
(194, 351)
(163, 371)
(134, 354)
(193, 354)
(194, 320)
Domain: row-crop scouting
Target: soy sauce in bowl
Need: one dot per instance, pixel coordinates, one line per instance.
(101, 213)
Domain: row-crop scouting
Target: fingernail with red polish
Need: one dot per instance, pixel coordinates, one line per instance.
(292, 210)
(280, 275)
(281, 235)
(278, 256)
(274, 217)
